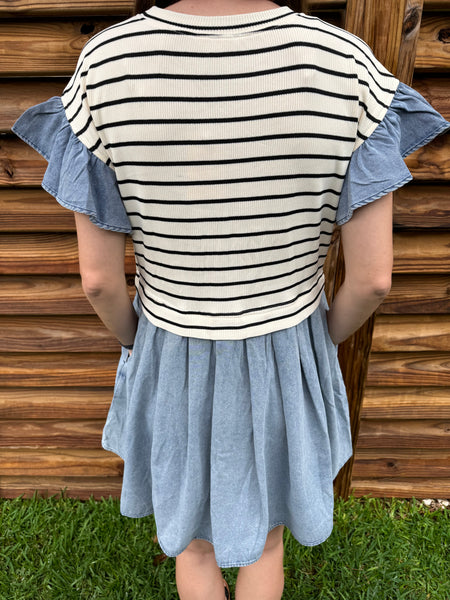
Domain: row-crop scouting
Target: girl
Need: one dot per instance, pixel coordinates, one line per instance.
(228, 137)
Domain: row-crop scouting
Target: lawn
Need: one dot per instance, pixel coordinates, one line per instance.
(64, 549)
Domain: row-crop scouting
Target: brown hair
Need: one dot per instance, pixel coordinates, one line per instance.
(142, 5)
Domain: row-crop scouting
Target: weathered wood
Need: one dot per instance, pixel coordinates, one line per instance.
(409, 40)
(55, 403)
(406, 403)
(403, 333)
(56, 8)
(420, 294)
(40, 295)
(404, 433)
(19, 163)
(50, 433)
(424, 253)
(58, 370)
(58, 462)
(421, 207)
(433, 49)
(33, 210)
(402, 488)
(399, 463)
(45, 254)
(431, 162)
(55, 334)
(409, 368)
(45, 48)
(74, 487)
(18, 95)
(437, 91)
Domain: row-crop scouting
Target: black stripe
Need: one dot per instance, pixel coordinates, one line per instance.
(230, 181)
(229, 161)
(229, 200)
(232, 252)
(235, 267)
(228, 327)
(222, 27)
(85, 128)
(222, 219)
(227, 236)
(258, 138)
(292, 113)
(95, 146)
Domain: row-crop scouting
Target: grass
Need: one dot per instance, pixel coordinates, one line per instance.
(60, 548)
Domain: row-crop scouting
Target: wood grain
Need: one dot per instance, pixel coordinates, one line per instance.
(413, 333)
(42, 295)
(27, 209)
(18, 95)
(409, 40)
(412, 487)
(43, 8)
(431, 162)
(20, 165)
(55, 334)
(45, 254)
(68, 462)
(58, 370)
(45, 48)
(420, 294)
(51, 433)
(406, 403)
(409, 369)
(55, 403)
(436, 90)
(424, 253)
(422, 207)
(412, 433)
(433, 49)
(399, 463)
(74, 487)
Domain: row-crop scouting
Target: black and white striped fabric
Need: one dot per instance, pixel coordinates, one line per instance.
(230, 138)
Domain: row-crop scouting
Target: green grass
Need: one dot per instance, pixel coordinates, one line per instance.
(64, 549)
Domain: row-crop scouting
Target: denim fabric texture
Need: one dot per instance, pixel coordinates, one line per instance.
(224, 440)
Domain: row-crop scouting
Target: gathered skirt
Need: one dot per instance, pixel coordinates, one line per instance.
(225, 440)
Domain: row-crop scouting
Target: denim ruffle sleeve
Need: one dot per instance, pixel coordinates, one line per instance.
(77, 179)
(377, 166)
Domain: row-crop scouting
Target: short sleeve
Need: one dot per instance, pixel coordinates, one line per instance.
(377, 166)
(75, 176)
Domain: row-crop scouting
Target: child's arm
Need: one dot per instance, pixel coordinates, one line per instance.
(101, 255)
(368, 255)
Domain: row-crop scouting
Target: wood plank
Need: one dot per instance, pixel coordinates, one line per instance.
(433, 49)
(61, 462)
(418, 294)
(54, 403)
(409, 369)
(33, 210)
(403, 433)
(406, 403)
(45, 48)
(18, 95)
(20, 165)
(403, 333)
(51, 433)
(58, 370)
(409, 41)
(394, 462)
(40, 295)
(424, 253)
(436, 90)
(55, 334)
(43, 8)
(71, 487)
(402, 488)
(431, 162)
(422, 207)
(46, 254)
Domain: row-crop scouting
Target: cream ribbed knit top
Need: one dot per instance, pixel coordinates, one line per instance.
(230, 138)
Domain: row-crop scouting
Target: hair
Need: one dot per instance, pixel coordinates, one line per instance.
(142, 5)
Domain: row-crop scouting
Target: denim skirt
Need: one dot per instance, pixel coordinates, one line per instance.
(224, 440)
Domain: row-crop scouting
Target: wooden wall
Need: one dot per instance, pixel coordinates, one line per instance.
(57, 361)
(404, 440)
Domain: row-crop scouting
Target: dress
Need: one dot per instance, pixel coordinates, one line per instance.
(224, 438)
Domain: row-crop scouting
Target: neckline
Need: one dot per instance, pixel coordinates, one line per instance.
(218, 22)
